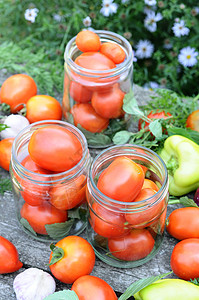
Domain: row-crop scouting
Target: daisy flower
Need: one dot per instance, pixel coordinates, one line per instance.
(108, 7)
(57, 17)
(149, 9)
(188, 57)
(30, 14)
(151, 20)
(179, 29)
(144, 49)
(167, 44)
(150, 2)
(87, 21)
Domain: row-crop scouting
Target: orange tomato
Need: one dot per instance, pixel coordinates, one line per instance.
(108, 103)
(113, 51)
(87, 40)
(5, 153)
(149, 184)
(17, 89)
(80, 93)
(43, 107)
(85, 115)
(193, 120)
(94, 61)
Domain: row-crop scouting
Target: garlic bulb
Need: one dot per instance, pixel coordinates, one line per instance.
(33, 284)
(16, 123)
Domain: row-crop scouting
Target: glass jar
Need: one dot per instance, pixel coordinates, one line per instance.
(127, 234)
(93, 99)
(49, 205)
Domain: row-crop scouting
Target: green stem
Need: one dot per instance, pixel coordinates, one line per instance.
(57, 254)
(65, 35)
(174, 201)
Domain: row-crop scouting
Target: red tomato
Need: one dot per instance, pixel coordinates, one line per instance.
(39, 216)
(154, 115)
(113, 51)
(80, 93)
(87, 40)
(55, 148)
(78, 259)
(94, 61)
(93, 288)
(5, 153)
(30, 165)
(185, 259)
(69, 195)
(147, 215)
(17, 89)
(193, 120)
(105, 222)
(9, 258)
(43, 107)
(108, 104)
(183, 223)
(85, 115)
(149, 184)
(133, 246)
(122, 180)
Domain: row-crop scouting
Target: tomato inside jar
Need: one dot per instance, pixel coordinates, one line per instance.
(49, 167)
(127, 195)
(98, 75)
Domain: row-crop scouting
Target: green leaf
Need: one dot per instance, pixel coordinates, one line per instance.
(187, 202)
(130, 105)
(78, 213)
(140, 284)
(57, 254)
(26, 224)
(195, 281)
(3, 127)
(122, 137)
(188, 133)
(5, 185)
(156, 128)
(63, 295)
(59, 230)
(95, 139)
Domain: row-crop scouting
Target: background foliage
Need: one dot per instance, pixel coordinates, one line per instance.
(37, 47)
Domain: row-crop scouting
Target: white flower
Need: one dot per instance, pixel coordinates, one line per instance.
(87, 21)
(151, 19)
(108, 8)
(30, 14)
(188, 57)
(144, 49)
(182, 6)
(151, 85)
(150, 2)
(179, 29)
(148, 9)
(167, 44)
(57, 17)
(196, 9)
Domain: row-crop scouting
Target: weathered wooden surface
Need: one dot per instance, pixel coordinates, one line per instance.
(36, 254)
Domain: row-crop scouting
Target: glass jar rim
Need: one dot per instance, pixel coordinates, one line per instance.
(111, 202)
(116, 71)
(52, 177)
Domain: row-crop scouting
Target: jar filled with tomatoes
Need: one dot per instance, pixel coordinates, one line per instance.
(98, 75)
(127, 194)
(49, 167)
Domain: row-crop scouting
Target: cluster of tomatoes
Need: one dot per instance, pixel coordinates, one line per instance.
(95, 102)
(131, 235)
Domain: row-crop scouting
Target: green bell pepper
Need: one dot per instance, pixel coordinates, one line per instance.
(181, 157)
(169, 289)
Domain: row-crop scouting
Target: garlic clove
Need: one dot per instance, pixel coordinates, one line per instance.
(33, 284)
(16, 123)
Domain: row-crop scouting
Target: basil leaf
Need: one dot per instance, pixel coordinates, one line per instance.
(156, 129)
(130, 105)
(26, 224)
(140, 284)
(59, 230)
(63, 295)
(122, 137)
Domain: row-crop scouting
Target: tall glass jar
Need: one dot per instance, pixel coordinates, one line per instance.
(49, 205)
(127, 234)
(93, 99)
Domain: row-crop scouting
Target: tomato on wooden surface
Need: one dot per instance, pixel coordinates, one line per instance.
(5, 152)
(67, 196)
(93, 288)
(85, 115)
(183, 223)
(80, 93)
(55, 148)
(87, 40)
(193, 120)
(108, 103)
(113, 51)
(154, 115)
(149, 184)
(9, 258)
(122, 180)
(133, 246)
(77, 259)
(39, 216)
(17, 89)
(94, 61)
(105, 222)
(185, 259)
(43, 107)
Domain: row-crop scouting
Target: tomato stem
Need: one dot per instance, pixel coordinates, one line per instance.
(58, 254)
